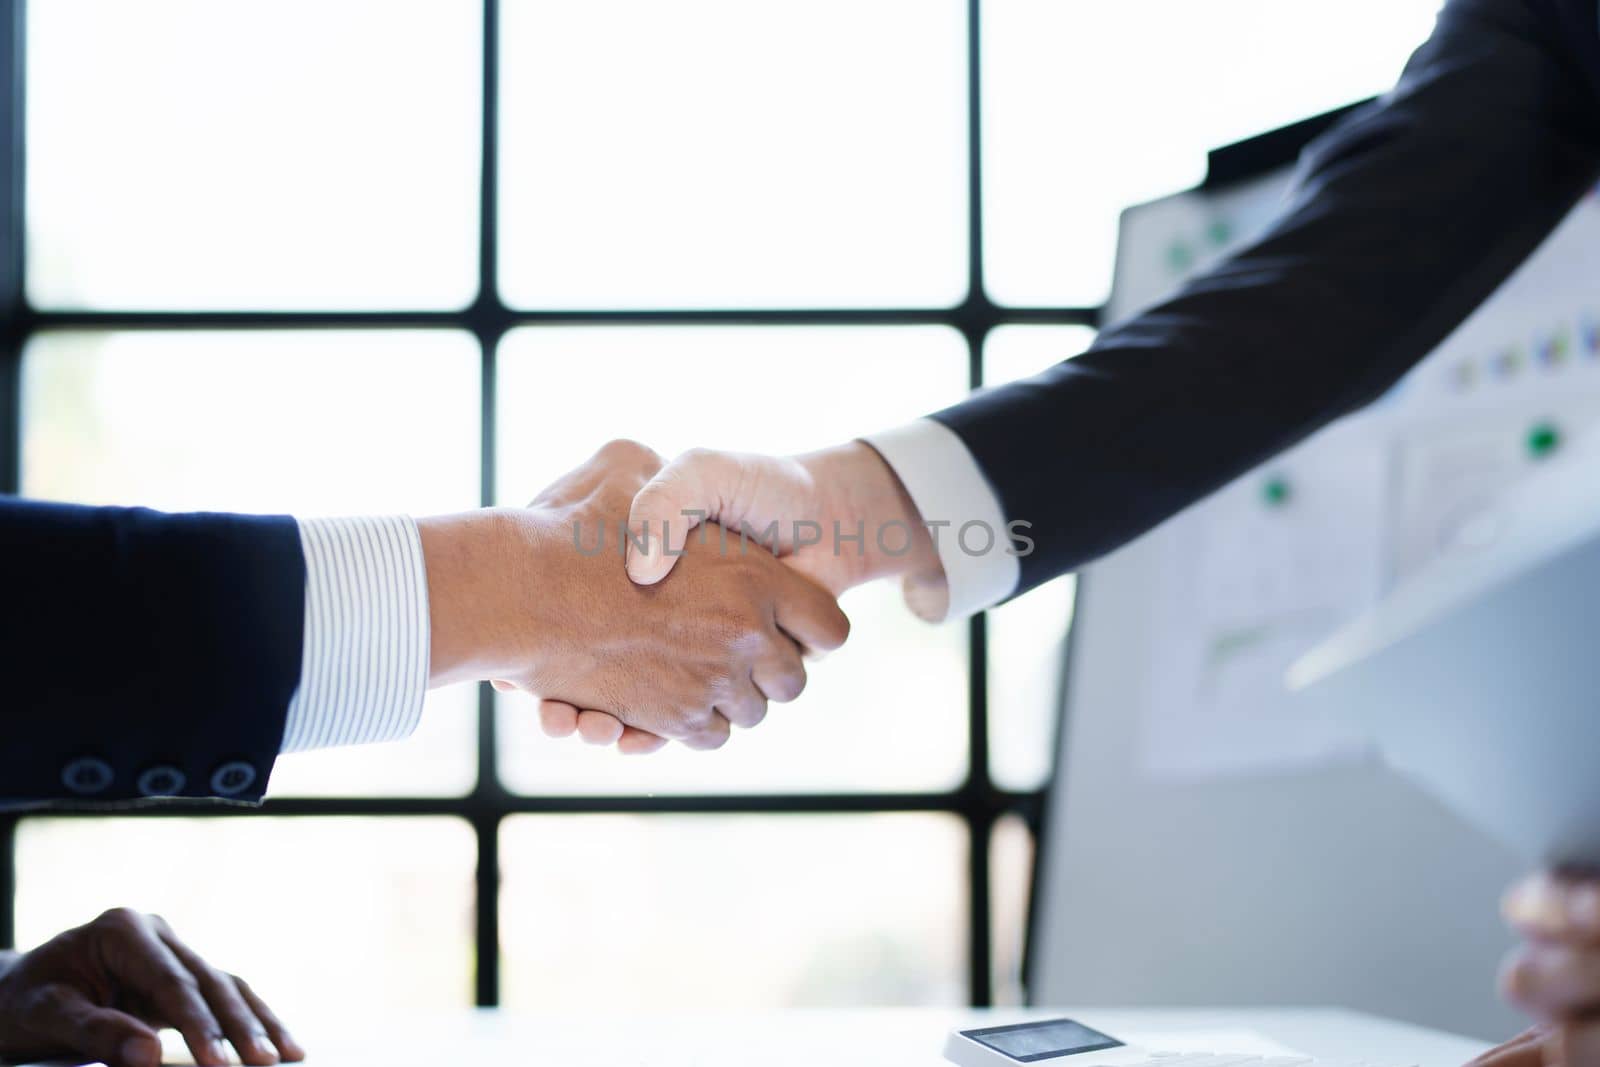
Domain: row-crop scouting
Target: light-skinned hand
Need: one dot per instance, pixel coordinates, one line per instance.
(103, 990)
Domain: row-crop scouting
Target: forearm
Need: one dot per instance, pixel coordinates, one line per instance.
(478, 610)
(1404, 220)
(147, 654)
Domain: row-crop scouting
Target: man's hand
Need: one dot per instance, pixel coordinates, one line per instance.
(538, 600)
(840, 517)
(103, 990)
(1555, 975)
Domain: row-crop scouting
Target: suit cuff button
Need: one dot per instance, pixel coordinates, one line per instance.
(87, 776)
(232, 778)
(161, 780)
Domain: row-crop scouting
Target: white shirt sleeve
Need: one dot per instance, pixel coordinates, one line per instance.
(966, 521)
(364, 664)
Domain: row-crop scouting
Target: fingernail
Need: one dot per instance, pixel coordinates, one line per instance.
(642, 566)
(264, 1048)
(217, 1052)
(141, 1052)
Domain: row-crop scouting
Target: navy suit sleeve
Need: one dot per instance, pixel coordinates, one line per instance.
(144, 653)
(1405, 217)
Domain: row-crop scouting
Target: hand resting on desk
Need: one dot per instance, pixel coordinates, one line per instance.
(104, 989)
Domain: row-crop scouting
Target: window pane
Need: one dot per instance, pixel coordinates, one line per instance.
(371, 915)
(296, 422)
(887, 712)
(1012, 352)
(722, 153)
(1027, 653)
(651, 912)
(1011, 879)
(282, 154)
(1027, 636)
(1087, 110)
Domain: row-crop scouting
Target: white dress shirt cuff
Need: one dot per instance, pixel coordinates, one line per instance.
(364, 666)
(967, 523)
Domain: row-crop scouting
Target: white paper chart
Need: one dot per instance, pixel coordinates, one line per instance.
(1261, 571)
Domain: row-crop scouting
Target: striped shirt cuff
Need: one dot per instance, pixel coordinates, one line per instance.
(364, 667)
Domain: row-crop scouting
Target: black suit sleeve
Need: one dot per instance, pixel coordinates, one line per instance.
(143, 653)
(1405, 217)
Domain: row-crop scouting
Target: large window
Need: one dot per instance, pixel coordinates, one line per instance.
(341, 256)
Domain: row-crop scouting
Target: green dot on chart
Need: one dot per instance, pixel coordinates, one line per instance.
(1543, 439)
(1179, 257)
(1220, 232)
(1276, 493)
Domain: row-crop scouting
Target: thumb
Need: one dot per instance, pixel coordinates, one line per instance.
(68, 1020)
(685, 493)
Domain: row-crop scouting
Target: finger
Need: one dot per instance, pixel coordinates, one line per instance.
(221, 990)
(616, 461)
(714, 734)
(780, 673)
(637, 742)
(290, 1049)
(599, 728)
(63, 1019)
(557, 718)
(691, 489)
(1555, 906)
(503, 686)
(745, 707)
(153, 972)
(1554, 981)
(809, 613)
(1524, 1050)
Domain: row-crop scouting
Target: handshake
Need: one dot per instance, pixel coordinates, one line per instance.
(644, 603)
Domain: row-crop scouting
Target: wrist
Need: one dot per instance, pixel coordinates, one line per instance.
(480, 625)
(858, 490)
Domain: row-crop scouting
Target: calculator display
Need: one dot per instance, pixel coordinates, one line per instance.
(1031, 1042)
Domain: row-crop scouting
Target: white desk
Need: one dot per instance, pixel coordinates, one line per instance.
(880, 1038)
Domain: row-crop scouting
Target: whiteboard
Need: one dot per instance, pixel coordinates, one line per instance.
(1199, 848)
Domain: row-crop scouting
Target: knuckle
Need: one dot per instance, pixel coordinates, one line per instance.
(697, 720)
(696, 457)
(710, 740)
(120, 919)
(623, 449)
(47, 1001)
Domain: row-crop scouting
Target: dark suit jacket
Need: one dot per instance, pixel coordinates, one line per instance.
(144, 654)
(1406, 216)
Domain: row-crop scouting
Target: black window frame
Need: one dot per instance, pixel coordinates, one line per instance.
(979, 802)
